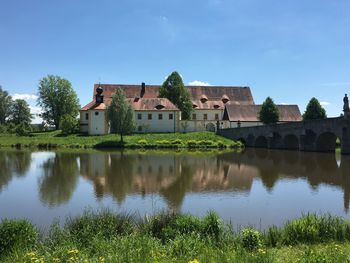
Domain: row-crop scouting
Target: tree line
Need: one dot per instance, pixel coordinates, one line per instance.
(269, 112)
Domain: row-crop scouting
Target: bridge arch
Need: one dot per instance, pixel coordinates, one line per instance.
(326, 142)
(276, 141)
(291, 142)
(261, 142)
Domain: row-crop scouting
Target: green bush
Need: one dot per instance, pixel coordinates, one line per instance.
(212, 225)
(142, 142)
(251, 239)
(176, 142)
(69, 124)
(3, 129)
(104, 225)
(23, 129)
(192, 143)
(16, 234)
(273, 237)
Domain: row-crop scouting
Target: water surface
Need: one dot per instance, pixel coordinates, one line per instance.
(256, 187)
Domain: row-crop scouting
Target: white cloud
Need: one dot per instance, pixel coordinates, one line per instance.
(26, 97)
(36, 111)
(284, 103)
(198, 83)
(324, 103)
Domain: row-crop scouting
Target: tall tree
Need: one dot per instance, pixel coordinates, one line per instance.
(174, 90)
(20, 112)
(314, 110)
(5, 105)
(269, 112)
(120, 115)
(57, 98)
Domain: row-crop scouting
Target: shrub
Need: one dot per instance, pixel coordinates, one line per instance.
(104, 224)
(192, 143)
(23, 129)
(69, 124)
(273, 236)
(212, 225)
(176, 142)
(142, 142)
(16, 234)
(221, 145)
(3, 129)
(251, 239)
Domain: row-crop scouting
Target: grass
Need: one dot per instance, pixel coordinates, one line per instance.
(194, 140)
(107, 237)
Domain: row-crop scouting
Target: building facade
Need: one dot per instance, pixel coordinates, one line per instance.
(155, 114)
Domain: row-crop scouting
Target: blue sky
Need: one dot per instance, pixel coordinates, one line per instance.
(289, 50)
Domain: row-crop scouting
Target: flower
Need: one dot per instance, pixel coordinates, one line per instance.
(194, 261)
(73, 251)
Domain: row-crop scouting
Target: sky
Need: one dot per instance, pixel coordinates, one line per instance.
(290, 50)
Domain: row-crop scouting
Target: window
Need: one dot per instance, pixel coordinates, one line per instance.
(171, 116)
(139, 128)
(96, 113)
(216, 116)
(86, 116)
(150, 116)
(205, 116)
(139, 116)
(194, 116)
(160, 116)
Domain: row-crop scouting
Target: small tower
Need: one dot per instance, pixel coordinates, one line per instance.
(99, 96)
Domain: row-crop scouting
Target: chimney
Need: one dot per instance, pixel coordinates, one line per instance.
(99, 96)
(143, 89)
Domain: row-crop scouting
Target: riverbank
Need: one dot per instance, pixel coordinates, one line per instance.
(108, 237)
(49, 140)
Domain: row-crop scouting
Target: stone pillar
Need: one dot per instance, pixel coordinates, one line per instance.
(307, 142)
(345, 141)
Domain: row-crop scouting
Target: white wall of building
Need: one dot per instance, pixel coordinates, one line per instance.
(97, 122)
(165, 124)
(84, 121)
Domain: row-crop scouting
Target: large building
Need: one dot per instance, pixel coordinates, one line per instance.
(154, 114)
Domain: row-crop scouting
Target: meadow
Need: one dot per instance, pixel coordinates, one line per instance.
(55, 139)
(104, 236)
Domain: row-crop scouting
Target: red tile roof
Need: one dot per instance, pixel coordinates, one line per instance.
(143, 104)
(241, 95)
(288, 113)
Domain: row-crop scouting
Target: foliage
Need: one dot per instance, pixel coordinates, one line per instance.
(23, 129)
(20, 112)
(57, 98)
(16, 234)
(107, 237)
(69, 124)
(314, 110)
(5, 105)
(174, 89)
(120, 115)
(251, 239)
(269, 112)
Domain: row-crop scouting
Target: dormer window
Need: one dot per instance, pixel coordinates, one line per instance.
(194, 105)
(204, 98)
(160, 106)
(225, 99)
(136, 99)
(216, 106)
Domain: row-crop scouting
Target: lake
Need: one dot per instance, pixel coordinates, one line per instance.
(257, 187)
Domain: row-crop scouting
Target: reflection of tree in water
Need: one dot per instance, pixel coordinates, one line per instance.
(59, 179)
(13, 163)
(175, 193)
(119, 175)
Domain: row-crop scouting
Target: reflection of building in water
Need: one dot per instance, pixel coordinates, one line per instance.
(171, 175)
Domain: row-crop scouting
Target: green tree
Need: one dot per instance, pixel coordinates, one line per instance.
(174, 90)
(5, 105)
(120, 115)
(269, 112)
(20, 112)
(57, 98)
(314, 110)
(69, 124)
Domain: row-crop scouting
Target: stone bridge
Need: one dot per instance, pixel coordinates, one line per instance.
(311, 135)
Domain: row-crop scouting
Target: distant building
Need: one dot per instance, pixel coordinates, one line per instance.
(247, 115)
(154, 114)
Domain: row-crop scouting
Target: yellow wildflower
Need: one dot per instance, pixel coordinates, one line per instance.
(31, 254)
(194, 261)
(73, 251)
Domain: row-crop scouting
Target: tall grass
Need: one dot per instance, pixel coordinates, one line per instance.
(108, 237)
